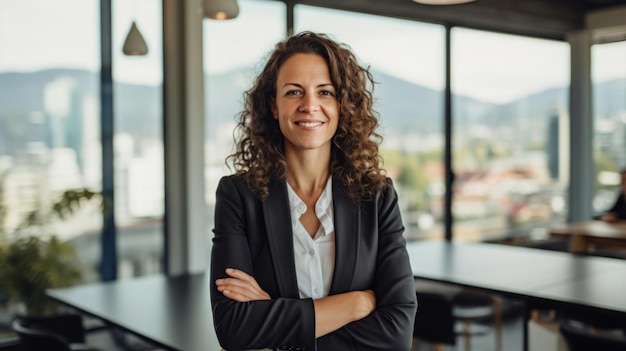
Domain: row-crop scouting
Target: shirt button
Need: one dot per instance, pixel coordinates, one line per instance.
(316, 290)
(311, 252)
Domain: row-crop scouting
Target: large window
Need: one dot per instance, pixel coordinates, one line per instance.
(49, 110)
(609, 113)
(49, 120)
(406, 59)
(234, 51)
(50, 126)
(138, 140)
(510, 127)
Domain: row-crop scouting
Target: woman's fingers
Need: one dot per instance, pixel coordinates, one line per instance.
(234, 289)
(242, 287)
(237, 295)
(236, 273)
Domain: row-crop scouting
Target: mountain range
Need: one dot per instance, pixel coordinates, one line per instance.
(402, 105)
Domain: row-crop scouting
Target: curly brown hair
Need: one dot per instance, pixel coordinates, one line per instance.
(355, 161)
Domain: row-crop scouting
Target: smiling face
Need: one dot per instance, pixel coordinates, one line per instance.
(306, 105)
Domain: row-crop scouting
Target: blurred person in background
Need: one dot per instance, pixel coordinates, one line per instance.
(618, 211)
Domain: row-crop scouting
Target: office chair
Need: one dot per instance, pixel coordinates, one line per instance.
(53, 333)
(434, 322)
(582, 337)
(445, 312)
(478, 312)
(594, 319)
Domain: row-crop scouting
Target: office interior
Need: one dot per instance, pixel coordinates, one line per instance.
(500, 118)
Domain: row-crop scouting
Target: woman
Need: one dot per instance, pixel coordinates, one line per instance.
(308, 252)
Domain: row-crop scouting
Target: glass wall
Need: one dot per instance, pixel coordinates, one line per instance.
(138, 140)
(406, 59)
(49, 122)
(609, 118)
(234, 52)
(510, 127)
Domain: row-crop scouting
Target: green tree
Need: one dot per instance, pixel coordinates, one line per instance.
(33, 260)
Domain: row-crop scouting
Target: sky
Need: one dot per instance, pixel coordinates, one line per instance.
(38, 34)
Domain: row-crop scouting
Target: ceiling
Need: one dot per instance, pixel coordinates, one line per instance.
(550, 19)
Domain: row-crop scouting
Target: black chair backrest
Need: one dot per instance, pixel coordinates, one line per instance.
(35, 339)
(579, 337)
(597, 319)
(434, 321)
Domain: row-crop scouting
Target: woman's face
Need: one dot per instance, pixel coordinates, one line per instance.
(306, 105)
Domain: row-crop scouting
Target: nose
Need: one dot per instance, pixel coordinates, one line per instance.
(309, 103)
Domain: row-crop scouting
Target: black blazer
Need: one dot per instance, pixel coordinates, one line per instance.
(256, 237)
(619, 208)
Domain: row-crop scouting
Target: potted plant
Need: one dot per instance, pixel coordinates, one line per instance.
(32, 259)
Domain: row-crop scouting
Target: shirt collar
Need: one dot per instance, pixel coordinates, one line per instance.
(323, 206)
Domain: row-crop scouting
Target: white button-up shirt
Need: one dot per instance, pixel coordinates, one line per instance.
(315, 257)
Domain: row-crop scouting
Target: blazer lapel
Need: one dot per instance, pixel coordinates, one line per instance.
(280, 238)
(347, 227)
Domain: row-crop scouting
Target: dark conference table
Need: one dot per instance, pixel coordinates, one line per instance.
(175, 312)
(538, 276)
(541, 278)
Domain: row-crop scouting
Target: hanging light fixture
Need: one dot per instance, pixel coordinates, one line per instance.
(442, 2)
(220, 9)
(135, 45)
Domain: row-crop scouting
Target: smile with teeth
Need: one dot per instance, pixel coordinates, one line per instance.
(309, 124)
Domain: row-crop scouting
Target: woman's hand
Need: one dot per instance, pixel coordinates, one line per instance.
(335, 311)
(365, 303)
(609, 217)
(241, 287)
